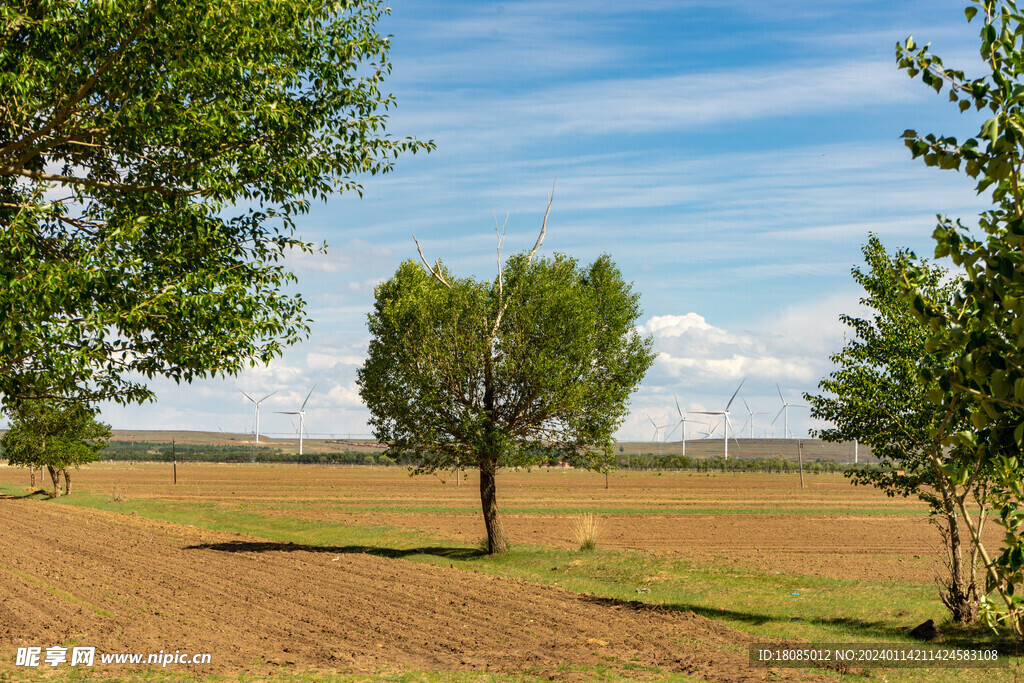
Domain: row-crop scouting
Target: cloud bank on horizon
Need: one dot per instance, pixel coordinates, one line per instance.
(731, 157)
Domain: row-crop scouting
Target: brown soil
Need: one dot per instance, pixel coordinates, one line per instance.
(122, 583)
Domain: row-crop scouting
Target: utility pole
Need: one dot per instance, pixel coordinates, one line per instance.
(800, 453)
(174, 459)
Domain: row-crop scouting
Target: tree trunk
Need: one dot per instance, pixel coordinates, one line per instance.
(67, 481)
(32, 477)
(496, 541)
(960, 596)
(54, 478)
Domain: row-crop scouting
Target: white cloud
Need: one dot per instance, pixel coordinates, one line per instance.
(701, 364)
(345, 396)
(323, 361)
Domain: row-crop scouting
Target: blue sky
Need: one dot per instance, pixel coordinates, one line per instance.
(732, 158)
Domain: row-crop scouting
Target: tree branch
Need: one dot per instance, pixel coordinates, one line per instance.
(544, 223)
(100, 184)
(435, 270)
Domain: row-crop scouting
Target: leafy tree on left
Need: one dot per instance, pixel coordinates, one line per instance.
(154, 157)
(55, 435)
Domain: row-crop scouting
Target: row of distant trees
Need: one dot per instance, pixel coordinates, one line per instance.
(142, 451)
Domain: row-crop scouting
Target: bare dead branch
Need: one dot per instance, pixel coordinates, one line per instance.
(501, 242)
(544, 224)
(540, 239)
(435, 269)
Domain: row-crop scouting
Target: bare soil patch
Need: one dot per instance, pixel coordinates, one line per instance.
(123, 583)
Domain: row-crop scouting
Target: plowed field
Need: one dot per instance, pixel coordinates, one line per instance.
(122, 583)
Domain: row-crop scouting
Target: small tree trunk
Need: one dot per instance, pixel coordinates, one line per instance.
(960, 597)
(496, 541)
(32, 477)
(67, 481)
(54, 478)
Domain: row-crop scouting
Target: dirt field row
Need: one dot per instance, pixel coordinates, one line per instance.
(122, 583)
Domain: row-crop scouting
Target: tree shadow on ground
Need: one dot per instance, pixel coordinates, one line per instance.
(973, 637)
(376, 551)
(38, 493)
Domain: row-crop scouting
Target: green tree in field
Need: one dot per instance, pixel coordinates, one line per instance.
(877, 396)
(55, 435)
(154, 157)
(537, 364)
(983, 328)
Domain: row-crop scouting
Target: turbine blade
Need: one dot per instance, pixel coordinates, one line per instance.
(746, 406)
(307, 398)
(678, 409)
(780, 393)
(286, 412)
(266, 397)
(248, 396)
(778, 414)
(651, 421)
(734, 394)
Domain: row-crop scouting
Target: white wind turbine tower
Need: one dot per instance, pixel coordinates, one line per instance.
(725, 416)
(258, 411)
(301, 412)
(682, 423)
(785, 410)
(750, 418)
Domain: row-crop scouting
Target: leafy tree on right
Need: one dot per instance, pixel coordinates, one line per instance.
(876, 395)
(982, 328)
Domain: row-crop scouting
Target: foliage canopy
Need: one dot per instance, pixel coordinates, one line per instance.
(153, 159)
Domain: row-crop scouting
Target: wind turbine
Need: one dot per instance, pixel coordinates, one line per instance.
(682, 423)
(657, 430)
(750, 418)
(785, 409)
(725, 416)
(258, 411)
(301, 412)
